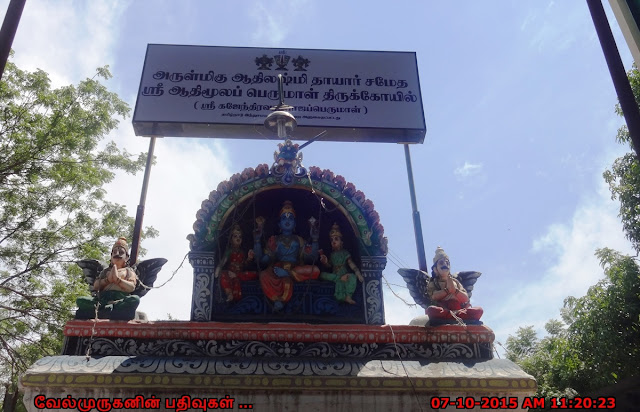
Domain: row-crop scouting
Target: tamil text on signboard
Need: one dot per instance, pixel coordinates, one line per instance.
(203, 91)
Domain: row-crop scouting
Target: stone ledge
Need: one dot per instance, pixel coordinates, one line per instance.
(331, 333)
(157, 374)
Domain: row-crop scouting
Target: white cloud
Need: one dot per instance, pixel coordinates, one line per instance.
(549, 33)
(468, 170)
(67, 39)
(186, 170)
(275, 19)
(531, 17)
(573, 268)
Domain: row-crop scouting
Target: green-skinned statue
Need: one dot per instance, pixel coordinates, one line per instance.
(116, 290)
(340, 262)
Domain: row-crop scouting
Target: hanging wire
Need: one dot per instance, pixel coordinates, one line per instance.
(170, 278)
(93, 333)
(389, 257)
(397, 258)
(411, 305)
(393, 260)
(255, 128)
(406, 373)
(496, 349)
(97, 307)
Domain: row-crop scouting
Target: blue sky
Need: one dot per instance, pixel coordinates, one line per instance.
(519, 107)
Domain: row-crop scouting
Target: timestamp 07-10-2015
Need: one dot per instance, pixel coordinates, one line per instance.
(496, 402)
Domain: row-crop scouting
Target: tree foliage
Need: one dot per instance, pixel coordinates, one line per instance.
(53, 206)
(605, 323)
(597, 342)
(624, 176)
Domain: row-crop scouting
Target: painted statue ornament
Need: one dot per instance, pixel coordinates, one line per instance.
(287, 163)
(284, 257)
(117, 289)
(344, 271)
(444, 295)
(232, 268)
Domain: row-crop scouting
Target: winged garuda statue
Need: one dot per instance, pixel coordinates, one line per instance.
(117, 289)
(444, 295)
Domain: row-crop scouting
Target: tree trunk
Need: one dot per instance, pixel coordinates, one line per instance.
(10, 398)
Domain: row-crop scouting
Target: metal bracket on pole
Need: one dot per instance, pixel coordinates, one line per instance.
(137, 228)
(417, 225)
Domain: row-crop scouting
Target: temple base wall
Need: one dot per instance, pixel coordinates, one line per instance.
(276, 385)
(180, 366)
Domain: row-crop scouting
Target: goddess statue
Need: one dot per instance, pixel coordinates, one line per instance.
(232, 268)
(340, 263)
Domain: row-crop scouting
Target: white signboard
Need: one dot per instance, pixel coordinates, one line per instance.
(203, 91)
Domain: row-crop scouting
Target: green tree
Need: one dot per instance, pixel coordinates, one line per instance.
(624, 176)
(598, 347)
(53, 206)
(547, 359)
(605, 324)
(522, 345)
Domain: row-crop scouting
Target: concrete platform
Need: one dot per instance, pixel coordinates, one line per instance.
(273, 384)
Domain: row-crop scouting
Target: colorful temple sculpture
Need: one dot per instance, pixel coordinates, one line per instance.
(274, 227)
(287, 314)
(445, 296)
(117, 289)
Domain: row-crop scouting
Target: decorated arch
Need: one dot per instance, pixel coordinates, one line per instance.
(321, 200)
(241, 195)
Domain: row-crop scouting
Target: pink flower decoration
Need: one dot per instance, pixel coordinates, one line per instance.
(349, 189)
(198, 225)
(315, 172)
(340, 181)
(207, 205)
(223, 187)
(262, 170)
(236, 179)
(248, 173)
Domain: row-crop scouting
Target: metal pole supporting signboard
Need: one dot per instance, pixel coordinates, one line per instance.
(417, 225)
(137, 228)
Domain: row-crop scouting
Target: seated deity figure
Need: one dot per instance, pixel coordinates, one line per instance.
(340, 262)
(284, 257)
(449, 298)
(113, 286)
(232, 268)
